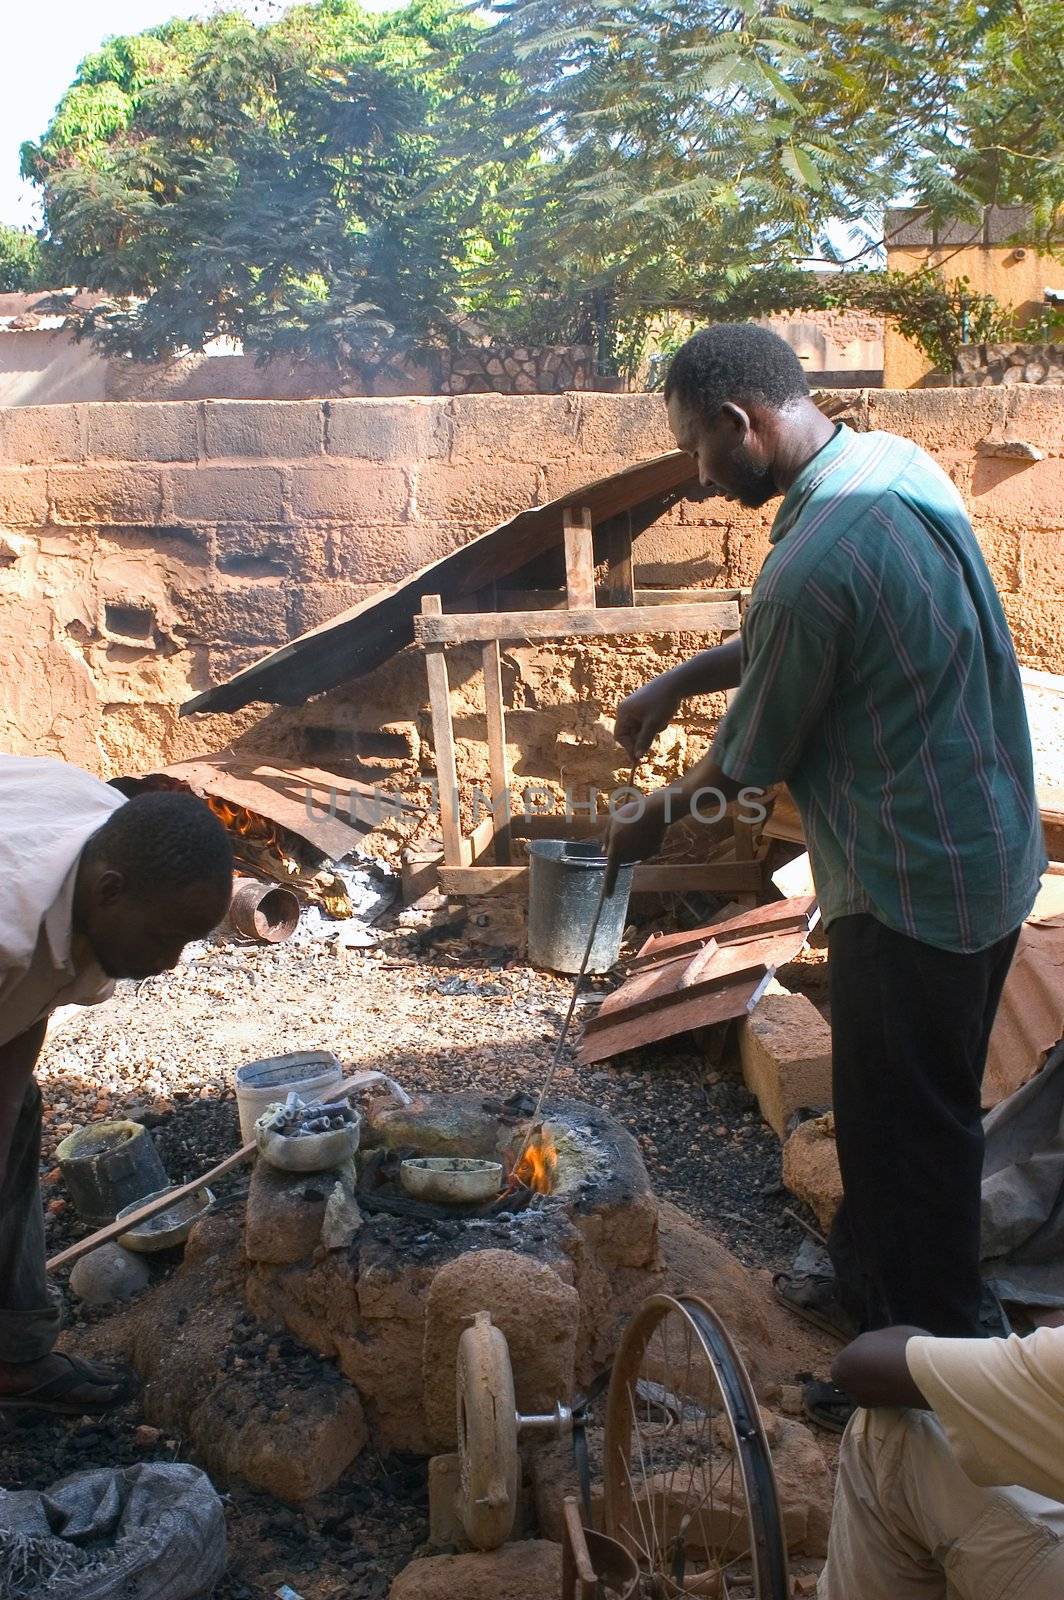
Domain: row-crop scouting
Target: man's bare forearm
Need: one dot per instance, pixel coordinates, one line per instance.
(17, 1060)
(708, 672)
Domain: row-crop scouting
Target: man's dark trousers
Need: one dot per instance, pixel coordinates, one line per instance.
(910, 1026)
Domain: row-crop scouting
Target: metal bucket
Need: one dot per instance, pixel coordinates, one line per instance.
(564, 884)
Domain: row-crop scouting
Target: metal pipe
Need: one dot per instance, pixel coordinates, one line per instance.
(558, 1422)
(265, 912)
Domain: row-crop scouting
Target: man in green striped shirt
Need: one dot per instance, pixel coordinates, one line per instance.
(876, 675)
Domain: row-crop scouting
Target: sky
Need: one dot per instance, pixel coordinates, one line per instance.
(45, 41)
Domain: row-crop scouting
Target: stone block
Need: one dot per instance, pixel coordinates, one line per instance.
(225, 494)
(500, 428)
(1018, 491)
(294, 1447)
(1037, 627)
(1001, 548)
(811, 1168)
(251, 614)
(376, 555)
(250, 550)
(634, 426)
(674, 556)
(478, 496)
(934, 418)
(383, 1360)
(530, 1569)
(528, 1301)
(23, 497)
(350, 493)
(285, 1212)
(86, 495)
(1042, 561)
(143, 430)
(311, 604)
(562, 477)
(282, 429)
(785, 1049)
(387, 430)
(1036, 415)
(40, 435)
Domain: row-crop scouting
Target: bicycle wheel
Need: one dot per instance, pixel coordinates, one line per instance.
(689, 1485)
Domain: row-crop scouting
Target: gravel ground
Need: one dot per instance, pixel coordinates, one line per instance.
(435, 1015)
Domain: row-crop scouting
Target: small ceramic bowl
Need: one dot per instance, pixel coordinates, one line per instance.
(451, 1180)
(167, 1228)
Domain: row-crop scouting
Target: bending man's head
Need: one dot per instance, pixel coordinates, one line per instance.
(156, 875)
(730, 392)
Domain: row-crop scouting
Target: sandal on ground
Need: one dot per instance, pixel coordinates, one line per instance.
(59, 1394)
(811, 1296)
(827, 1405)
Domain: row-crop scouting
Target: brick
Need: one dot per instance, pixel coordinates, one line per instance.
(39, 435)
(1036, 415)
(785, 1050)
(85, 495)
(1019, 491)
(350, 493)
(480, 496)
(634, 426)
(934, 419)
(1037, 626)
(311, 604)
(500, 427)
(225, 494)
(387, 430)
(23, 497)
(142, 430)
(249, 550)
(282, 429)
(1042, 561)
(811, 1168)
(239, 614)
(384, 555)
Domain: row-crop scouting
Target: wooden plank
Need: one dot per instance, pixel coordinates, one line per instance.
(784, 917)
(498, 770)
(481, 840)
(555, 599)
(456, 852)
(620, 572)
(723, 877)
(514, 626)
(579, 558)
(701, 1011)
(663, 988)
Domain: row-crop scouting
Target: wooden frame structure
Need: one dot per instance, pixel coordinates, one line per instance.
(482, 863)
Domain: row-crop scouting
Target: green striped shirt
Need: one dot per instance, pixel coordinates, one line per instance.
(880, 681)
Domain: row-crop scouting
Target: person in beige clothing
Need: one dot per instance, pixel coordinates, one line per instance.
(92, 888)
(951, 1480)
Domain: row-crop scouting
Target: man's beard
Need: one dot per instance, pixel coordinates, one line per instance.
(751, 485)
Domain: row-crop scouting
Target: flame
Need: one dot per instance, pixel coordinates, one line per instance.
(246, 824)
(538, 1166)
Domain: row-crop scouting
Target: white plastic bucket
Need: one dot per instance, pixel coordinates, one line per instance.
(311, 1074)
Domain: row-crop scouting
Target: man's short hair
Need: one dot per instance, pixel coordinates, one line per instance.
(736, 361)
(163, 841)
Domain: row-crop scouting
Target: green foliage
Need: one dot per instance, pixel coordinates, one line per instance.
(290, 186)
(20, 261)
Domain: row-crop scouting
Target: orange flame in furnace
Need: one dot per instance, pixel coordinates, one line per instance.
(246, 824)
(538, 1167)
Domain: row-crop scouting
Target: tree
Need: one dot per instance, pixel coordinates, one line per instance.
(20, 261)
(288, 186)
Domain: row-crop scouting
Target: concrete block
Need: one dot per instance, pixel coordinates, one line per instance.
(811, 1168)
(479, 496)
(679, 557)
(500, 427)
(934, 419)
(385, 554)
(1041, 566)
(248, 614)
(225, 494)
(249, 550)
(143, 430)
(1036, 415)
(23, 497)
(40, 435)
(1001, 548)
(1019, 491)
(122, 495)
(562, 477)
(1037, 628)
(311, 604)
(350, 493)
(633, 426)
(785, 1050)
(282, 429)
(387, 430)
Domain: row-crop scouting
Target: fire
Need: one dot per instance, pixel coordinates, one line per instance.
(246, 824)
(538, 1167)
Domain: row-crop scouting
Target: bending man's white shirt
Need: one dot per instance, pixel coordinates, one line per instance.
(48, 812)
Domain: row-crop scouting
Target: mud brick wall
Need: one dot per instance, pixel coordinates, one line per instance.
(148, 549)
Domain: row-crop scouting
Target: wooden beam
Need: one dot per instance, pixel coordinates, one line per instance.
(498, 769)
(721, 877)
(620, 579)
(514, 626)
(481, 840)
(579, 558)
(456, 851)
(555, 599)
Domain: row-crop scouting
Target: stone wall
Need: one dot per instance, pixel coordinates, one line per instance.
(149, 549)
(979, 365)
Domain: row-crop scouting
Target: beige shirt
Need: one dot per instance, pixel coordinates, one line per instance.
(1001, 1403)
(48, 812)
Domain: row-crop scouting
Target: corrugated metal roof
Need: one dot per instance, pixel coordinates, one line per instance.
(360, 638)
